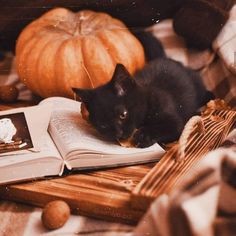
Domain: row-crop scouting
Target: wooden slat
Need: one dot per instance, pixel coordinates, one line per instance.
(101, 194)
(168, 172)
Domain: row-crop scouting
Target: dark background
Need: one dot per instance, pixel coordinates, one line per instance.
(15, 14)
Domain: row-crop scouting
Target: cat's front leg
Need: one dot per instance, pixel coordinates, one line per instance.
(142, 138)
(165, 130)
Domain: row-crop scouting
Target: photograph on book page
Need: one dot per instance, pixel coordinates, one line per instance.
(14, 133)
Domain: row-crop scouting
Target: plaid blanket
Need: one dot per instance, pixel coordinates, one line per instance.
(204, 204)
(224, 44)
(214, 66)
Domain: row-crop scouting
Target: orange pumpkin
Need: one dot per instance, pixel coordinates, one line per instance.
(63, 49)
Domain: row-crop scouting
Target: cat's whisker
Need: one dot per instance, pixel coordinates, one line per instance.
(90, 79)
(75, 96)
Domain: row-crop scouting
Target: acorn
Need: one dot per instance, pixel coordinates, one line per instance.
(55, 214)
(8, 93)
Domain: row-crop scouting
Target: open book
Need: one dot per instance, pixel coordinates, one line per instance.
(43, 140)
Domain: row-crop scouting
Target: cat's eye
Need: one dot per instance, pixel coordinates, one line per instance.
(123, 115)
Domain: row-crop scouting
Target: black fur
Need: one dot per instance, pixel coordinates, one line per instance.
(156, 102)
(153, 48)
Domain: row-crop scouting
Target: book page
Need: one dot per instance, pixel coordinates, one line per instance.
(47, 150)
(73, 134)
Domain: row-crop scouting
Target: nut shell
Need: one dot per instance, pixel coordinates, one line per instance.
(55, 214)
(8, 93)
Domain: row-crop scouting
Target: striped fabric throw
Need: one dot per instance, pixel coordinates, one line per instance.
(225, 43)
(193, 197)
(203, 204)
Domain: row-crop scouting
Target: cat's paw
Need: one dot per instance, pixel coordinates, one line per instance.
(142, 138)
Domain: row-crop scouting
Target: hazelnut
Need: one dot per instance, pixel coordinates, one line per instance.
(8, 93)
(55, 214)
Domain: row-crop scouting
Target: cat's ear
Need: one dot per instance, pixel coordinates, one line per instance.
(120, 72)
(84, 94)
(121, 79)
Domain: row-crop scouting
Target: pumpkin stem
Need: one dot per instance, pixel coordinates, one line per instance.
(77, 29)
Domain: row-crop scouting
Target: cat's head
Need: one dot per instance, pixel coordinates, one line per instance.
(115, 109)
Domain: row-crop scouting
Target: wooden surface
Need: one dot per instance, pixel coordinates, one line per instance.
(169, 171)
(100, 194)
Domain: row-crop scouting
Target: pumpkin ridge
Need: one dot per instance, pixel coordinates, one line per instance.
(57, 21)
(127, 50)
(25, 59)
(101, 20)
(41, 74)
(58, 66)
(83, 63)
(134, 52)
(109, 54)
(63, 84)
(40, 80)
(116, 50)
(38, 84)
(39, 24)
(77, 44)
(34, 33)
(24, 38)
(55, 17)
(104, 41)
(97, 60)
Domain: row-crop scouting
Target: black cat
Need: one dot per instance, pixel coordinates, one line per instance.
(155, 103)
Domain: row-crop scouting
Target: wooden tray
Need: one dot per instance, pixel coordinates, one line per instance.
(100, 194)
